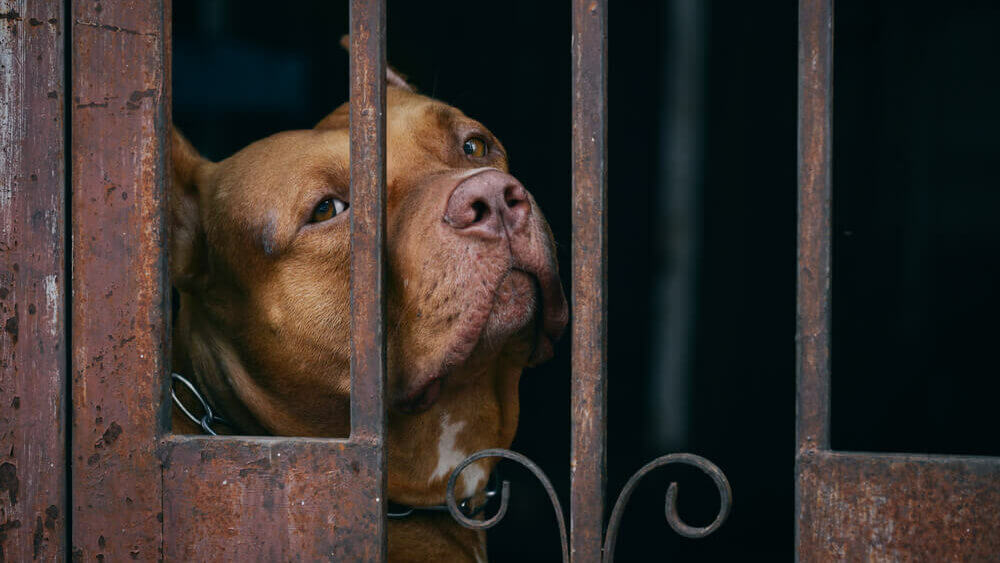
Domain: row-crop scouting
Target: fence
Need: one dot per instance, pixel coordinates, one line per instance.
(88, 459)
(854, 506)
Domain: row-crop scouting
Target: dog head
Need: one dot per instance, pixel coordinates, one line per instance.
(260, 249)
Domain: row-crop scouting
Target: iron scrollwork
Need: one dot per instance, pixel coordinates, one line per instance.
(670, 507)
(462, 519)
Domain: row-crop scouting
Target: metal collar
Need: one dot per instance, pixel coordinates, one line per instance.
(397, 511)
(208, 418)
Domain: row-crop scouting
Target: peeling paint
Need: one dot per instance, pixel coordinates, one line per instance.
(52, 302)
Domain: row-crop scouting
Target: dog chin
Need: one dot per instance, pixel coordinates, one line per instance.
(514, 306)
(512, 317)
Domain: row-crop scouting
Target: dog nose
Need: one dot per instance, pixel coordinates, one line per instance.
(488, 203)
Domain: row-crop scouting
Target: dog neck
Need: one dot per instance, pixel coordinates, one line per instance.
(204, 353)
(200, 355)
(478, 409)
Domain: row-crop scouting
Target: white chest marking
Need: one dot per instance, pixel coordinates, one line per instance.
(448, 455)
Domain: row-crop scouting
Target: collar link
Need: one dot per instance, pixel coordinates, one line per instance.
(208, 418)
(399, 511)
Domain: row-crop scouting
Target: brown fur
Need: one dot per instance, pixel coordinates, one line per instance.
(263, 324)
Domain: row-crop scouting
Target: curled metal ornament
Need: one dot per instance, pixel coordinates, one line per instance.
(670, 509)
(474, 524)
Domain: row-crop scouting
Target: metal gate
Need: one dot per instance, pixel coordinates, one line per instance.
(85, 152)
(863, 506)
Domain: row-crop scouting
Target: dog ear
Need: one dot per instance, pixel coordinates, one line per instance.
(392, 76)
(187, 235)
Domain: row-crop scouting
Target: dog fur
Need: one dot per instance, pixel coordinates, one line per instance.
(263, 323)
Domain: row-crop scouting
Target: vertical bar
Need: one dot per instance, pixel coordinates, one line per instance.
(815, 192)
(814, 242)
(590, 235)
(367, 77)
(32, 283)
(118, 144)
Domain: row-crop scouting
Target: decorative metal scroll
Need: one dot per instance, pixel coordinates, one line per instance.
(670, 508)
(456, 513)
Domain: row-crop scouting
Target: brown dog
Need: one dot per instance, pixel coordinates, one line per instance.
(259, 253)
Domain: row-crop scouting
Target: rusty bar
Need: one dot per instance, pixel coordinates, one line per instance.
(118, 146)
(892, 507)
(590, 235)
(815, 148)
(367, 114)
(32, 282)
(815, 191)
(268, 499)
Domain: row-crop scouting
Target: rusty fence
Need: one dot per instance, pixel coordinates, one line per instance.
(88, 466)
(863, 506)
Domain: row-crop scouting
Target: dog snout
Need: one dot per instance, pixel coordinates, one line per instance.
(488, 204)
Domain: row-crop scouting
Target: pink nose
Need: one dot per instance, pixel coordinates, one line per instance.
(487, 205)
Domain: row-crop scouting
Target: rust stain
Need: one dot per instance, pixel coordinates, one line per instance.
(10, 327)
(113, 28)
(51, 515)
(9, 482)
(281, 505)
(36, 538)
(136, 97)
(892, 507)
(116, 494)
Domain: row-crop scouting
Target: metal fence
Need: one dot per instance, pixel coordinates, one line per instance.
(88, 467)
(863, 506)
(92, 463)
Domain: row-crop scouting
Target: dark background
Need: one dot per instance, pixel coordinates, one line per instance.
(702, 183)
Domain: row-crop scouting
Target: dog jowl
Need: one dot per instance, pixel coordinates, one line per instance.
(259, 252)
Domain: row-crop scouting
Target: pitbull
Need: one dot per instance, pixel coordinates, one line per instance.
(259, 252)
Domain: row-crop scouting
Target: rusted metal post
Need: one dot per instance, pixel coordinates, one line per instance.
(815, 192)
(120, 287)
(367, 114)
(32, 283)
(855, 506)
(815, 167)
(590, 235)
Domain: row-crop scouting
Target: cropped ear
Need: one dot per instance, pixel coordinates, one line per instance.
(392, 76)
(187, 235)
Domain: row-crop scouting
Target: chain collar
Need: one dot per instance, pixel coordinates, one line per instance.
(208, 418)
(399, 511)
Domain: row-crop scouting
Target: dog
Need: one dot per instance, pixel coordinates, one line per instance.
(259, 253)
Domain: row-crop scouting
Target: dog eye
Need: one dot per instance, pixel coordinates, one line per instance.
(474, 146)
(328, 209)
